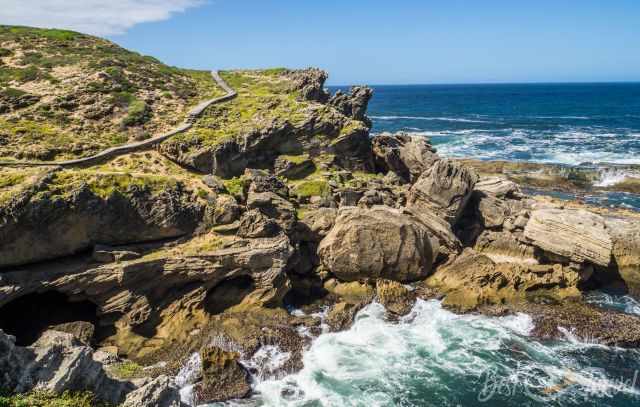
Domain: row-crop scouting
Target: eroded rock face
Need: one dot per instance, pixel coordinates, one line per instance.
(473, 279)
(35, 226)
(166, 293)
(444, 189)
(355, 104)
(575, 235)
(625, 235)
(405, 155)
(377, 243)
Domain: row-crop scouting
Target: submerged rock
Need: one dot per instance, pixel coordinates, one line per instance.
(396, 298)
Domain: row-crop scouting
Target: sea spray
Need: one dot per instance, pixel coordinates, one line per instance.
(433, 357)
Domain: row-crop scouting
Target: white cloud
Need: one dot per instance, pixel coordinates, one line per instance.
(100, 17)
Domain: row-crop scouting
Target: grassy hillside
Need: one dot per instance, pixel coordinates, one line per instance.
(66, 95)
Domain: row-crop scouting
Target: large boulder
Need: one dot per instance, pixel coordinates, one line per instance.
(377, 243)
(405, 155)
(570, 235)
(444, 189)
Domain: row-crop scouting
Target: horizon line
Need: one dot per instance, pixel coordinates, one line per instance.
(498, 83)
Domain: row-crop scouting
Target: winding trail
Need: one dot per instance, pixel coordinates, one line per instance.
(192, 116)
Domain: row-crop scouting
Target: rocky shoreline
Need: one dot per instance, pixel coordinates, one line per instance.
(308, 213)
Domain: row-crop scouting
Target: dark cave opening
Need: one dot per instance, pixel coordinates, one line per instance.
(30, 315)
(228, 293)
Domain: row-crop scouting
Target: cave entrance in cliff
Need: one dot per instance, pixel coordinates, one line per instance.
(228, 293)
(30, 315)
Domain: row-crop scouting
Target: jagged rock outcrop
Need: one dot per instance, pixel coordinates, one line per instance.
(444, 188)
(498, 187)
(355, 104)
(377, 243)
(310, 83)
(45, 223)
(405, 155)
(572, 235)
(625, 236)
(56, 362)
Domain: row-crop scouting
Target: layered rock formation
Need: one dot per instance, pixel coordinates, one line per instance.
(295, 204)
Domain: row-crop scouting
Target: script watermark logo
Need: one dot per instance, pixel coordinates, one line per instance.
(540, 387)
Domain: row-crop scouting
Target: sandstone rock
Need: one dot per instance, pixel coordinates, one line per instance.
(82, 331)
(575, 235)
(224, 377)
(254, 224)
(402, 154)
(498, 187)
(473, 280)
(213, 182)
(504, 247)
(288, 167)
(159, 392)
(625, 234)
(261, 181)
(316, 224)
(395, 297)
(341, 316)
(353, 105)
(310, 82)
(226, 210)
(107, 254)
(377, 243)
(154, 302)
(444, 189)
(275, 207)
(354, 292)
(584, 321)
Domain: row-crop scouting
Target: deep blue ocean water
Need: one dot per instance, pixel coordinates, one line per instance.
(555, 123)
(568, 124)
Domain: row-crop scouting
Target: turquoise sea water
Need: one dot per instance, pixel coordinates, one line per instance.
(433, 357)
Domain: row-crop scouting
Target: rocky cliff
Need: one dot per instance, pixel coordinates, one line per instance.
(279, 197)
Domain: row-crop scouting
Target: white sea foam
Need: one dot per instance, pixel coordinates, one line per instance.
(613, 176)
(427, 118)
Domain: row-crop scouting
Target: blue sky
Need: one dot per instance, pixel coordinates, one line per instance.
(380, 42)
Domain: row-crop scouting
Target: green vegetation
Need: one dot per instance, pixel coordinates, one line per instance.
(295, 159)
(311, 188)
(127, 370)
(264, 98)
(11, 179)
(100, 93)
(235, 186)
(105, 185)
(49, 399)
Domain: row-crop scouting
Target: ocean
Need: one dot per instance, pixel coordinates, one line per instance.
(549, 123)
(576, 125)
(433, 357)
